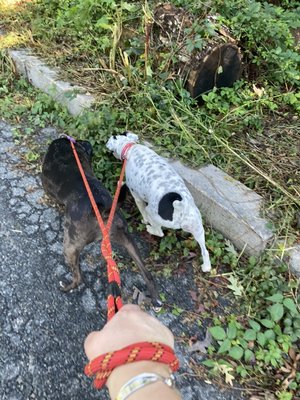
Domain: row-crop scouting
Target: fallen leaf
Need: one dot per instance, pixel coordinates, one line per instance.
(225, 369)
(194, 295)
(201, 345)
(200, 309)
(259, 92)
(230, 248)
(140, 297)
(235, 286)
(292, 353)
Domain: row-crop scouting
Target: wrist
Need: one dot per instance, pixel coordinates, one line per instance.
(124, 373)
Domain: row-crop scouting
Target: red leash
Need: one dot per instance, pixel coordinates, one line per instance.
(102, 366)
(114, 301)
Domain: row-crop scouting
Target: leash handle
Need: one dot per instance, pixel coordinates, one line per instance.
(102, 366)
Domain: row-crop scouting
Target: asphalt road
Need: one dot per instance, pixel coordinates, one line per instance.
(42, 330)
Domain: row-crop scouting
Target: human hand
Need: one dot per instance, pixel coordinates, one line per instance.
(130, 325)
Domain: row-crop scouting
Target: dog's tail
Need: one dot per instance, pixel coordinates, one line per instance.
(179, 209)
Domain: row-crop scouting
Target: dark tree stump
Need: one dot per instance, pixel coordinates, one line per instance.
(217, 63)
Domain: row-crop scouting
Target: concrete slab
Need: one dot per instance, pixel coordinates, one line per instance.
(228, 205)
(73, 97)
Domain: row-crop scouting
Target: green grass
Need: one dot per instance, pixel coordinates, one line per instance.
(251, 131)
(238, 129)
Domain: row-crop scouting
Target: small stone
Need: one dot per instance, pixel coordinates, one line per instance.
(33, 218)
(50, 235)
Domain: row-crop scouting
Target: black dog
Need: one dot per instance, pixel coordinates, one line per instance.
(62, 181)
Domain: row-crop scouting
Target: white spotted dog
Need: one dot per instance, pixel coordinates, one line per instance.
(159, 192)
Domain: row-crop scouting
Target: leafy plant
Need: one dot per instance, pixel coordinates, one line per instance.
(264, 31)
(32, 156)
(221, 367)
(264, 341)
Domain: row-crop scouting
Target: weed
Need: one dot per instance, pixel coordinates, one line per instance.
(221, 367)
(261, 342)
(32, 156)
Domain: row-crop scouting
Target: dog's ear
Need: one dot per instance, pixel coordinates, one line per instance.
(132, 136)
(87, 147)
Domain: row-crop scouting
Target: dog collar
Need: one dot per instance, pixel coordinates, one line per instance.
(125, 150)
(63, 135)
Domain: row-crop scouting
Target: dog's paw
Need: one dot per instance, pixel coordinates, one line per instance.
(157, 305)
(68, 287)
(140, 298)
(154, 231)
(206, 267)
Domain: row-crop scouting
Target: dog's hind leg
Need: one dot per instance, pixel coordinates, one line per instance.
(154, 230)
(195, 227)
(141, 205)
(76, 236)
(153, 227)
(200, 238)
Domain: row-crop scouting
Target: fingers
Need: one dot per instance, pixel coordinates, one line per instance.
(96, 342)
(130, 308)
(93, 345)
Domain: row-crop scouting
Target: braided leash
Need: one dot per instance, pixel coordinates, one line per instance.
(102, 366)
(114, 301)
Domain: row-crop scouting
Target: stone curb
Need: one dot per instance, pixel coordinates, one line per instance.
(294, 262)
(228, 205)
(74, 97)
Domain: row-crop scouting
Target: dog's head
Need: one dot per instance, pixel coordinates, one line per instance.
(62, 146)
(117, 143)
